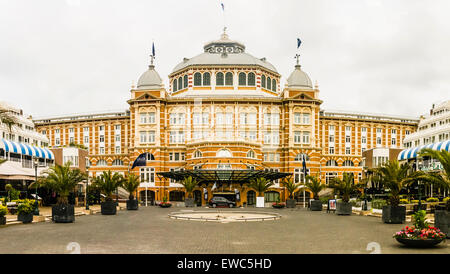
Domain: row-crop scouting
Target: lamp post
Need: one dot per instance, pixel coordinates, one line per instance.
(87, 185)
(36, 203)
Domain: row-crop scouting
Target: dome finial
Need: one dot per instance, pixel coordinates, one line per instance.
(297, 56)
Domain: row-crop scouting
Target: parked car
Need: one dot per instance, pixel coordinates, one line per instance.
(221, 201)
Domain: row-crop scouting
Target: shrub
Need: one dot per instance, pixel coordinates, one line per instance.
(325, 199)
(432, 200)
(3, 211)
(26, 207)
(378, 203)
(414, 201)
(404, 201)
(446, 199)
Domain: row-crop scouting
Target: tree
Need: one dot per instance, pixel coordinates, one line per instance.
(189, 184)
(396, 177)
(291, 187)
(63, 180)
(261, 184)
(314, 185)
(108, 182)
(345, 186)
(131, 184)
(439, 178)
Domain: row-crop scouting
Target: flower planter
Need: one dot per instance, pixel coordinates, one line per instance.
(3, 220)
(316, 205)
(63, 213)
(343, 208)
(291, 203)
(165, 205)
(108, 208)
(25, 218)
(442, 221)
(394, 214)
(132, 204)
(189, 202)
(419, 243)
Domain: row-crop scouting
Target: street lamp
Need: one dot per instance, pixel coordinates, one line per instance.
(87, 184)
(36, 203)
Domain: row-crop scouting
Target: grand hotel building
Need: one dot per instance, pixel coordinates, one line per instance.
(226, 109)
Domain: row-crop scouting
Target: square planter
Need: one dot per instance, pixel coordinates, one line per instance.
(189, 202)
(2, 220)
(25, 218)
(291, 203)
(63, 213)
(442, 221)
(259, 201)
(108, 208)
(343, 208)
(394, 214)
(316, 205)
(132, 204)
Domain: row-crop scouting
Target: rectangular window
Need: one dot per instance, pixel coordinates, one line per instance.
(394, 131)
(147, 174)
(331, 150)
(151, 136)
(197, 118)
(267, 137)
(173, 137)
(101, 128)
(219, 118)
(267, 118)
(275, 119)
(297, 137)
(71, 140)
(143, 118)
(347, 139)
(331, 128)
(173, 118)
(252, 135)
(205, 118)
(118, 150)
(181, 136)
(275, 138)
(117, 127)
(57, 141)
(251, 118)
(297, 118)
(363, 129)
(306, 119)
(117, 137)
(101, 150)
(378, 140)
(143, 136)
(102, 138)
(331, 138)
(229, 118)
(363, 140)
(71, 130)
(86, 139)
(151, 118)
(348, 150)
(306, 137)
(393, 141)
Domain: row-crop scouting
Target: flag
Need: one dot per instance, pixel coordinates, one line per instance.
(214, 187)
(141, 160)
(298, 42)
(305, 171)
(238, 195)
(153, 49)
(223, 7)
(205, 193)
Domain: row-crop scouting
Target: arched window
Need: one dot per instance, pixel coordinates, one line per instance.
(102, 163)
(117, 162)
(299, 157)
(251, 154)
(175, 85)
(263, 81)
(197, 79)
(224, 153)
(274, 85)
(242, 79)
(185, 81)
(348, 163)
(331, 163)
(269, 82)
(198, 154)
(180, 83)
(150, 157)
(206, 79)
(229, 79)
(219, 79)
(251, 79)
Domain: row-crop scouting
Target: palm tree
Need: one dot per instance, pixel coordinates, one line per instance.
(261, 184)
(442, 178)
(314, 185)
(62, 180)
(345, 186)
(189, 184)
(131, 184)
(291, 187)
(108, 182)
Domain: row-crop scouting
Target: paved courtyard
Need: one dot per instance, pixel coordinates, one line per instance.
(150, 230)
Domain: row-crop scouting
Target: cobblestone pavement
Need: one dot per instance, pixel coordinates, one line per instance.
(150, 230)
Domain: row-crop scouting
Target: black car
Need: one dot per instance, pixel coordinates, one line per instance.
(221, 201)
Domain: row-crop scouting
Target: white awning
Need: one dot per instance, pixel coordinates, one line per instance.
(412, 152)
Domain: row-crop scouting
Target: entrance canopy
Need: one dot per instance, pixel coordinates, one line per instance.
(410, 153)
(239, 176)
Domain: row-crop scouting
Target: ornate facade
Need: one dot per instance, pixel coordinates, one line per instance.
(225, 109)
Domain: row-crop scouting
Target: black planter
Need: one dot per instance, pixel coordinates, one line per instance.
(2, 220)
(108, 208)
(63, 213)
(394, 214)
(343, 208)
(442, 221)
(189, 202)
(316, 205)
(132, 204)
(165, 205)
(25, 218)
(418, 243)
(291, 203)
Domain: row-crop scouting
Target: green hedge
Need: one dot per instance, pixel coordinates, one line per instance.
(378, 203)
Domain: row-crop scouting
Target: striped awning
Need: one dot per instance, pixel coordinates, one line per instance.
(25, 149)
(410, 153)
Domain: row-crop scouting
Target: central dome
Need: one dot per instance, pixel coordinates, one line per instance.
(224, 52)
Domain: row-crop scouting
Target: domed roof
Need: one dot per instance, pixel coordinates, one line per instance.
(299, 79)
(150, 79)
(224, 52)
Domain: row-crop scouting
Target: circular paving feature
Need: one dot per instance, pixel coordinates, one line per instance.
(225, 216)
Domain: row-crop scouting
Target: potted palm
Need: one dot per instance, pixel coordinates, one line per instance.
(189, 184)
(107, 183)
(291, 187)
(345, 187)
(441, 215)
(62, 180)
(314, 185)
(395, 177)
(3, 212)
(131, 184)
(260, 185)
(25, 211)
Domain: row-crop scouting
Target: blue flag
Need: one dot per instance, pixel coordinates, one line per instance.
(153, 49)
(305, 171)
(223, 7)
(141, 160)
(298, 42)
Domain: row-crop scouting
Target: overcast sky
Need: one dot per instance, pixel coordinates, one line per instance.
(76, 56)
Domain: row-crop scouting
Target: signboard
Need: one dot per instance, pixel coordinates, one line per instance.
(331, 205)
